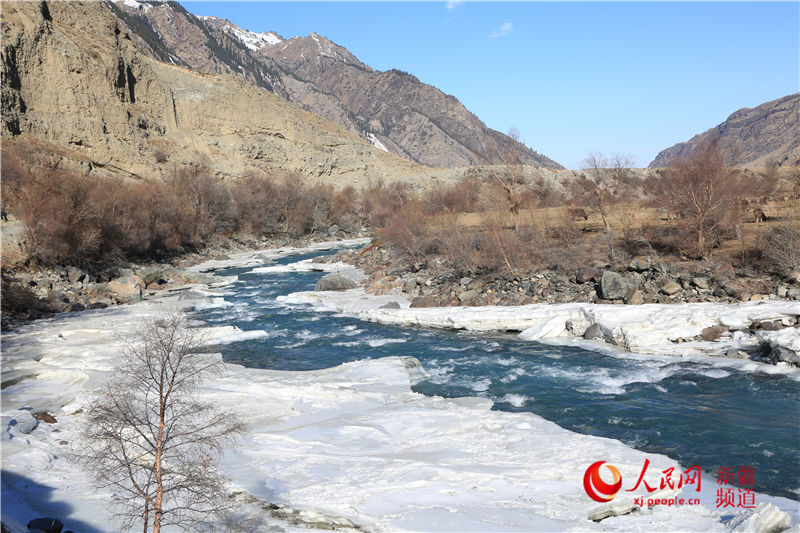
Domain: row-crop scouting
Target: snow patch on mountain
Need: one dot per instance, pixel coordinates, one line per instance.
(377, 143)
(254, 41)
(138, 5)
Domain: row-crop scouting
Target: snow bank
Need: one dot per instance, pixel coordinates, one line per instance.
(260, 257)
(646, 329)
(350, 444)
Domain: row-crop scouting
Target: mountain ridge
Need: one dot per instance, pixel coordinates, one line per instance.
(753, 137)
(390, 109)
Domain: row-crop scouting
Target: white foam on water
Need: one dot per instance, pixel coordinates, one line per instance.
(383, 342)
(481, 385)
(306, 335)
(512, 375)
(452, 348)
(242, 336)
(516, 400)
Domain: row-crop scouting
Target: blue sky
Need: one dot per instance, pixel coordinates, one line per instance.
(572, 77)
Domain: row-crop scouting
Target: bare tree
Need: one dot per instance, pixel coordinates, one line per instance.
(149, 439)
(509, 189)
(704, 191)
(607, 180)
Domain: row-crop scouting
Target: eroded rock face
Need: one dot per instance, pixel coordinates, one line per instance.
(73, 78)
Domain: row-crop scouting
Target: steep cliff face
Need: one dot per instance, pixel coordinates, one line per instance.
(392, 110)
(73, 77)
(754, 137)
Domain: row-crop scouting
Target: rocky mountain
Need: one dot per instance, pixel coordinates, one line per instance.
(76, 85)
(754, 137)
(392, 110)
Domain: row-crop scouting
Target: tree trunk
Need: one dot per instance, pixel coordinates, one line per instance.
(159, 483)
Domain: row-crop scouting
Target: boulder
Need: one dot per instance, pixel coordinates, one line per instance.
(733, 290)
(585, 275)
(44, 416)
(425, 301)
(670, 288)
(614, 286)
(593, 333)
(635, 297)
(335, 282)
(713, 333)
(467, 296)
(149, 275)
(124, 272)
(410, 285)
(54, 297)
(701, 282)
(390, 305)
(126, 289)
(75, 274)
(640, 264)
(765, 325)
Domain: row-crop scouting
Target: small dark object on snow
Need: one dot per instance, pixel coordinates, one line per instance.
(46, 525)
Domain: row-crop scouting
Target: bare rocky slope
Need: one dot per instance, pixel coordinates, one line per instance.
(75, 83)
(756, 137)
(393, 110)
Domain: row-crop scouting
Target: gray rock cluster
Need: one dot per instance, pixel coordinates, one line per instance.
(645, 280)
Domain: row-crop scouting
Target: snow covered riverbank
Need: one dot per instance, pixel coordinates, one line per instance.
(351, 445)
(657, 329)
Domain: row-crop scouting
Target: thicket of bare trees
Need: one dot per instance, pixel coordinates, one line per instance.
(78, 219)
(495, 219)
(501, 221)
(709, 196)
(150, 441)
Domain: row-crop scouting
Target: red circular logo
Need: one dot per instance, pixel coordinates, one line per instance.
(596, 488)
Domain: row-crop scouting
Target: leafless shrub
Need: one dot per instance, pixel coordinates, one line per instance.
(505, 249)
(257, 206)
(408, 232)
(460, 197)
(458, 245)
(205, 196)
(545, 194)
(17, 297)
(379, 201)
(344, 210)
(562, 228)
(782, 250)
(625, 213)
(150, 441)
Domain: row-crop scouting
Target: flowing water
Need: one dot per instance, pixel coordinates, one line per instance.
(699, 413)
